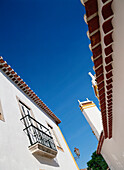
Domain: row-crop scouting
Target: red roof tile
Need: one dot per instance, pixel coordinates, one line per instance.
(17, 80)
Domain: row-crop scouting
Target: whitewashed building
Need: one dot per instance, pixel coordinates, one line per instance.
(30, 138)
(106, 32)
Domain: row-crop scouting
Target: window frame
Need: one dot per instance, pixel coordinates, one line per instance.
(1, 113)
(23, 103)
(55, 138)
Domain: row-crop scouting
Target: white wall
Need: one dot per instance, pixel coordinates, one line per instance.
(93, 116)
(113, 149)
(14, 152)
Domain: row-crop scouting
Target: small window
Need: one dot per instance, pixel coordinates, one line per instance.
(1, 113)
(55, 138)
(25, 110)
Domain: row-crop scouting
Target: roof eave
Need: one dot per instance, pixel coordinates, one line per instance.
(26, 89)
(102, 55)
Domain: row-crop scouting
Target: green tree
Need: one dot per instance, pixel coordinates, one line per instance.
(97, 162)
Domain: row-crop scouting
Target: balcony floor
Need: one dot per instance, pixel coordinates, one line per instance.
(39, 149)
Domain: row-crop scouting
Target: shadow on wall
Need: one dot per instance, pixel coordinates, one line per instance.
(43, 160)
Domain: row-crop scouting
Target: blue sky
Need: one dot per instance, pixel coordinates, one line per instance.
(45, 42)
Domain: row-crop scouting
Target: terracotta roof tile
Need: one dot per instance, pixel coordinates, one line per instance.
(95, 38)
(107, 26)
(98, 62)
(108, 50)
(107, 10)
(108, 39)
(93, 24)
(21, 84)
(91, 7)
(97, 51)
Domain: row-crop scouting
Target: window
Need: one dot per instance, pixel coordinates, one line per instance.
(24, 109)
(57, 143)
(1, 113)
(27, 114)
(41, 141)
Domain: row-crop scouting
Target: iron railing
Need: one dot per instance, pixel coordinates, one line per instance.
(37, 133)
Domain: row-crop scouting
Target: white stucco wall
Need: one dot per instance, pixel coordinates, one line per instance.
(14, 152)
(93, 117)
(113, 149)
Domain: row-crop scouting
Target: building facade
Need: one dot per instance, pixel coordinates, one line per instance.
(105, 31)
(30, 138)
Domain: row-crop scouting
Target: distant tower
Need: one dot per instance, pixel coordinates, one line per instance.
(92, 115)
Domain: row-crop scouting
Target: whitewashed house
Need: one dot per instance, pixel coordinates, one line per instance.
(106, 32)
(30, 138)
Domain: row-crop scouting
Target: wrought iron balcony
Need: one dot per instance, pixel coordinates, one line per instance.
(41, 141)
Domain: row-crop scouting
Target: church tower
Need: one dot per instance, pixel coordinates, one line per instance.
(92, 115)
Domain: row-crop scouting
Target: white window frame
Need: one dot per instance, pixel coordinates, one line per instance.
(1, 113)
(55, 138)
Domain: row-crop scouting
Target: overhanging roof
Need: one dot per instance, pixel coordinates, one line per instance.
(99, 16)
(26, 89)
(101, 140)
